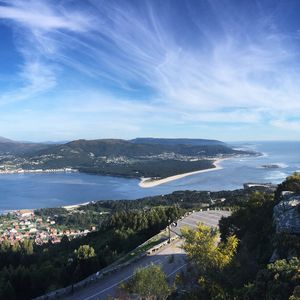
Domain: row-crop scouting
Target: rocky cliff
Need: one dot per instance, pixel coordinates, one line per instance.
(286, 215)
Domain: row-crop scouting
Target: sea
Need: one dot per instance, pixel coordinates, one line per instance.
(18, 191)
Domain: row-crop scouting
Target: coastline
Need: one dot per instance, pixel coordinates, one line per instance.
(74, 206)
(67, 207)
(34, 171)
(149, 183)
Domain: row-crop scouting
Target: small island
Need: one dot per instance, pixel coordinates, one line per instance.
(270, 166)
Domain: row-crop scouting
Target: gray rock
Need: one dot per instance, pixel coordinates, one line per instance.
(286, 215)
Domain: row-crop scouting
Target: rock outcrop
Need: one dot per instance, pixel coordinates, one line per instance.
(286, 215)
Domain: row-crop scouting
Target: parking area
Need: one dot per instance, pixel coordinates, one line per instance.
(108, 285)
(209, 218)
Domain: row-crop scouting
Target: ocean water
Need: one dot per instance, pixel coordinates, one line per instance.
(57, 189)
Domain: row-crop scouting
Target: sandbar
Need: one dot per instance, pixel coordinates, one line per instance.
(150, 182)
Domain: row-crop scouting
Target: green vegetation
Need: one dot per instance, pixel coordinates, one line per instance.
(94, 214)
(231, 270)
(148, 283)
(28, 270)
(211, 258)
(292, 183)
(184, 199)
(279, 280)
(75, 219)
(148, 168)
(135, 159)
(11, 147)
(203, 248)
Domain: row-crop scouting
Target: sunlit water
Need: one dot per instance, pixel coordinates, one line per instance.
(57, 189)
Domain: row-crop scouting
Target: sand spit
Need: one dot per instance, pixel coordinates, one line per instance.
(149, 182)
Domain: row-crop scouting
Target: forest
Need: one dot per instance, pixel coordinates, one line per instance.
(28, 270)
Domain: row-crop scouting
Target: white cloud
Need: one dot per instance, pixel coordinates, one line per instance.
(38, 15)
(34, 23)
(35, 78)
(245, 75)
(289, 125)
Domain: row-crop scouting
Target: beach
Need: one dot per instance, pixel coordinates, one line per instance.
(149, 182)
(75, 206)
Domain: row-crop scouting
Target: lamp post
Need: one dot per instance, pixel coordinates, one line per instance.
(70, 263)
(169, 223)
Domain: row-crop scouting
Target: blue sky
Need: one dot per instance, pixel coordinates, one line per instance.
(228, 70)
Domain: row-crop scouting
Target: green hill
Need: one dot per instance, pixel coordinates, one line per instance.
(131, 158)
(11, 147)
(136, 158)
(179, 141)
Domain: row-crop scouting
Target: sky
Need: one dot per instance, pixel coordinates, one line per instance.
(228, 70)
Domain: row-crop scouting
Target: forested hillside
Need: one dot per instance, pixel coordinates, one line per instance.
(10, 147)
(137, 158)
(29, 270)
(264, 265)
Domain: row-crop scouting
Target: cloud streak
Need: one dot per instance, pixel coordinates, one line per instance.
(188, 63)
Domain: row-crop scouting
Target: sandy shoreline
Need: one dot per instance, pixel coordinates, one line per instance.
(149, 183)
(73, 206)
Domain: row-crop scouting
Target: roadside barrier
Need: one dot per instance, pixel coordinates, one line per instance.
(57, 294)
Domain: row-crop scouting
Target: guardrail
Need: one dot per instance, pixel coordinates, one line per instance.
(57, 294)
(87, 281)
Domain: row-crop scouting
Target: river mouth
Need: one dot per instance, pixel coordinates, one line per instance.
(59, 189)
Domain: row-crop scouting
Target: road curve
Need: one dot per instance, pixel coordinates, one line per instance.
(108, 285)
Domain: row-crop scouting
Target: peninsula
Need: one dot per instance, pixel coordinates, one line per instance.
(165, 159)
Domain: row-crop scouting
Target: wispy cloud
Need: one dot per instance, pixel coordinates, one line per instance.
(33, 22)
(287, 124)
(39, 15)
(188, 63)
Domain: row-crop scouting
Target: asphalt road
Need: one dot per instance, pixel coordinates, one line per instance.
(108, 286)
(209, 218)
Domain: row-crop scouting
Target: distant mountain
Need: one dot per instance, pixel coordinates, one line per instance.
(138, 147)
(11, 147)
(160, 158)
(5, 140)
(179, 141)
(55, 142)
(145, 157)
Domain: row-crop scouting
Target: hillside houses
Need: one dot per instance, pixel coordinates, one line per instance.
(23, 224)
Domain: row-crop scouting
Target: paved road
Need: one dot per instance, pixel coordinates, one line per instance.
(209, 218)
(108, 286)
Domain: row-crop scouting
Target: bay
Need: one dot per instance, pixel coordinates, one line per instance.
(57, 189)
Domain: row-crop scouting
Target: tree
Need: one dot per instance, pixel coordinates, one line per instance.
(85, 260)
(203, 248)
(28, 247)
(85, 252)
(149, 283)
(278, 281)
(7, 291)
(296, 293)
(211, 257)
(292, 183)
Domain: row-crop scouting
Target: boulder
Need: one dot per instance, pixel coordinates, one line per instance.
(286, 215)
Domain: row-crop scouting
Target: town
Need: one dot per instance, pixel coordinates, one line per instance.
(24, 224)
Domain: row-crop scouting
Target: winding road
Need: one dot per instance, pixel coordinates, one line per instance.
(108, 285)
